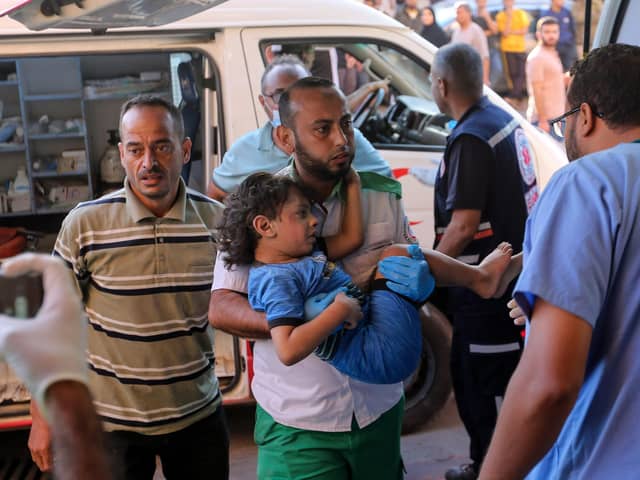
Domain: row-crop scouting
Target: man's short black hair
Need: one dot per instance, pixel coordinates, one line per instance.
(259, 194)
(290, 62)
(461, 66)
(287, 114)
(607, 79)
(147, 100)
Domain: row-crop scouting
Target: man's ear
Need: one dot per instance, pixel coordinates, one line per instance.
(586, 121)
(285, 139)
(443, 87)
(186, 150)
(263, 226)
(121, 150)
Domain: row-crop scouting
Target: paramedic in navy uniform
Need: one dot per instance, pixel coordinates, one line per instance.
(485, 186)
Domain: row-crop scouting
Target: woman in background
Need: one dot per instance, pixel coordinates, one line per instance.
(431, 31)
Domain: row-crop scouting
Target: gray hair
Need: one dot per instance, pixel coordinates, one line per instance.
(288, 62)
(461, 66)
(464, 5)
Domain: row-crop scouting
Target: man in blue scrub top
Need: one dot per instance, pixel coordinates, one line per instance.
(572, 405)
(258, 150)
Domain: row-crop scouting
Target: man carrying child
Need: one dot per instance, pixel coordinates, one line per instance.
(312, 419)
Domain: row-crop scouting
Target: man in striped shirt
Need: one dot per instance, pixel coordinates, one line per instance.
(143, 259)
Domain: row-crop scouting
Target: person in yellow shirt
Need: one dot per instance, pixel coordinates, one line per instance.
(513, 25)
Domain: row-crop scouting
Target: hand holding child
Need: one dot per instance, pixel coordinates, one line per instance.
(408, 276)
(317, 304)
(352, 306)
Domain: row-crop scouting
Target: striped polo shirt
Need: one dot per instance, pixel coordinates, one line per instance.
(146, 284)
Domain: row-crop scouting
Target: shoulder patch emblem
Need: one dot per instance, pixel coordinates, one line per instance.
(525, 158)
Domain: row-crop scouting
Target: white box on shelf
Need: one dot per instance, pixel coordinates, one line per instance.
(20, 202)
(77, 193)
(57, 194)
(72, 161)
(68, 195)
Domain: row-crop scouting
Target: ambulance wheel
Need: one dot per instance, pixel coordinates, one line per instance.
(429, 387)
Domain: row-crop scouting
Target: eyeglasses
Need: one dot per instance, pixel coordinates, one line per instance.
(559, 124)
(275, 96)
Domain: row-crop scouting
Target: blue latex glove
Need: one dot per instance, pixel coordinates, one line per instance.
(408, 276)
(315, 305)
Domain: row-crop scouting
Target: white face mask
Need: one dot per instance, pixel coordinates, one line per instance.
(275, 121)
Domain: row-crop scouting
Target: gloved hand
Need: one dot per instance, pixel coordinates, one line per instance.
(317, 304)
(51, 346)
(354, 311)
(408, 276)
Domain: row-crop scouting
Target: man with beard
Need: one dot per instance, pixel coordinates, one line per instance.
(484, 189)
(260, 151)
(569, 409)
(142, 258)
(545, 76)
(313, 421)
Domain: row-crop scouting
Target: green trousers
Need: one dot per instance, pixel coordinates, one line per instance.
(369, 453)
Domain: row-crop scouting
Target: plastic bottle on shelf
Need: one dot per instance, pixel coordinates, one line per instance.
(21, 182)
(111, 170)
(20, 192)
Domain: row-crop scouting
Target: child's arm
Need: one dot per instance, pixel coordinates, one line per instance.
(351, 234)
(296, 343)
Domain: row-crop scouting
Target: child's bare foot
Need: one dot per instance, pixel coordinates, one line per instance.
(512, 271)
(492, 270)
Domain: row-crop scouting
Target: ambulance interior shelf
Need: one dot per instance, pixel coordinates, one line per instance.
(54, 126)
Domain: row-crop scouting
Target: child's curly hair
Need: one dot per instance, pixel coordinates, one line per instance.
(259, 194)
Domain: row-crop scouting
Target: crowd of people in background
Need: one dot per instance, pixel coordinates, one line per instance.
(501, 39)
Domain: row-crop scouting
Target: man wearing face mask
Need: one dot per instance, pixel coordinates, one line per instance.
(259, 150)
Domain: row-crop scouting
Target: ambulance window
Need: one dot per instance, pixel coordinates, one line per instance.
(175, 59)
(628, 25)
(406, 115)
